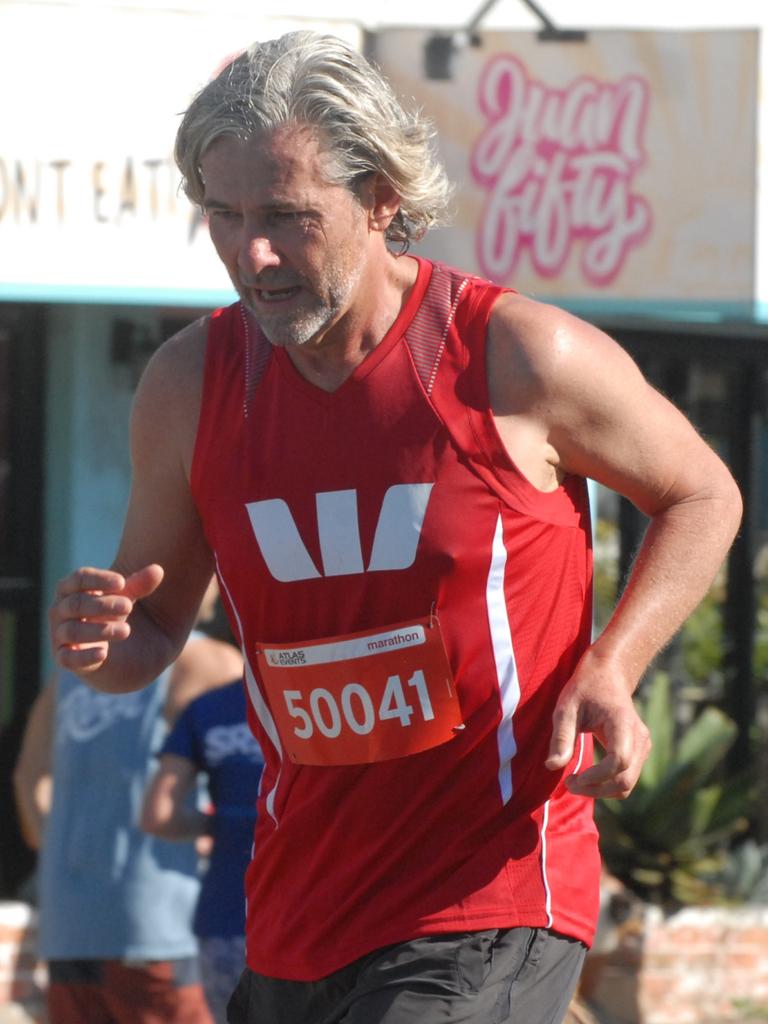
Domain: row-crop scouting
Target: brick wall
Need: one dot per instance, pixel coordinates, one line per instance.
(22, 979)
(699, 966)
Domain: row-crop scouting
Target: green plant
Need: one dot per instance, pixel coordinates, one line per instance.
(702, 641)
(669, 840)
(606, 579)
(745, 875)
(748, 1010)
(761, 633)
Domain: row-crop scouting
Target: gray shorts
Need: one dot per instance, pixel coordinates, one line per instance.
(501, 976)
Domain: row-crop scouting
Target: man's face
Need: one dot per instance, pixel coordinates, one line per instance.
(293, 245)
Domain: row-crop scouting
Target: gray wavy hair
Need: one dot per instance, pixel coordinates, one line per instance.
(305, 78)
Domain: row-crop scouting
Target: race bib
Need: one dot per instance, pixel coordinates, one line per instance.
(363, 697)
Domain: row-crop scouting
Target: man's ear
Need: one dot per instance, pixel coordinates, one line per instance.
(383, 203)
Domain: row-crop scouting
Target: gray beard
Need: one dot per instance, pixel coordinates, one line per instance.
(283, 331)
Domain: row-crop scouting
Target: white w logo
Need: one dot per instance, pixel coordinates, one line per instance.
(394, 544)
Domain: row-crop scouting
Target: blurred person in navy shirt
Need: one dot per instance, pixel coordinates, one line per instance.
(212, 738)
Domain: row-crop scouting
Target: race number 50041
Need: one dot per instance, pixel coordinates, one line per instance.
(355, 708)
(362, 698)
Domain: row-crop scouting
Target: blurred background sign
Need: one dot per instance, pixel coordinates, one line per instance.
(90, 207)
(620, 166)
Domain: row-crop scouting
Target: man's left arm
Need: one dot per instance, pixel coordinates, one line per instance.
(33, 771)
(165, 811)
(568, 399)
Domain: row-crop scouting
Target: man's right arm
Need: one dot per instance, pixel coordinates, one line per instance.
(205, 664)
(119, 628)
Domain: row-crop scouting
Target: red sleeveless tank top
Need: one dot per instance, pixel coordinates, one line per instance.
(400, 797)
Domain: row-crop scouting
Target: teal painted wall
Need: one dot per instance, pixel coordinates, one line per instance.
(87, 462)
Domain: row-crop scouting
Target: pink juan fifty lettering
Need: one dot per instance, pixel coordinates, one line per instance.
(559, 167)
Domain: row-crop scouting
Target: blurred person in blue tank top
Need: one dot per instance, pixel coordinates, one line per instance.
(212, 737)
(116, 905)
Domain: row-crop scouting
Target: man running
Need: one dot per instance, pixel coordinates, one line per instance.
(385, 461)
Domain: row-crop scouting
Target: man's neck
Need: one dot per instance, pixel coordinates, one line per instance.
(329, 360)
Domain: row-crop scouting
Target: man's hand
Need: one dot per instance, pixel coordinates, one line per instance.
(605, 708)
(90, 611)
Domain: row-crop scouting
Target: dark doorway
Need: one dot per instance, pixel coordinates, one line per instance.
(716, 373)
(22, 403)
